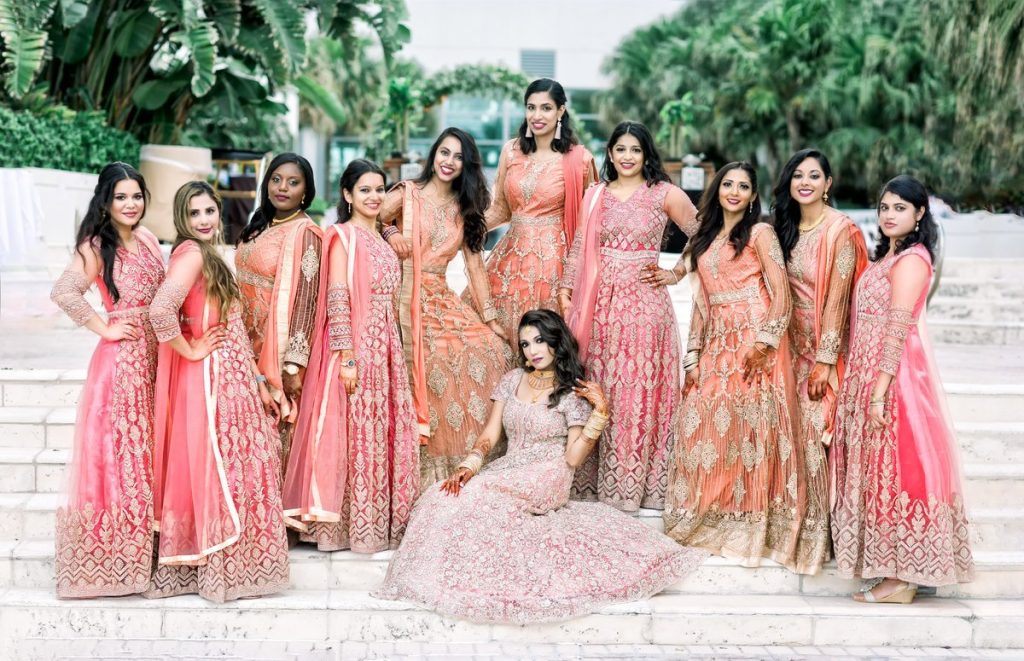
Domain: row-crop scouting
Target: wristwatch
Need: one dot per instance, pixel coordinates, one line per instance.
(291, 369)
(351, 362)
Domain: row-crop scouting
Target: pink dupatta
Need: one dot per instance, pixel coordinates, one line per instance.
(316, 479)
(194, 510)
(573, 174)
(410, 315)
(584, 292)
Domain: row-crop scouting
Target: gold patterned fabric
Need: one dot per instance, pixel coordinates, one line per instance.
(104, 536)
(738, 482)
(464, 358)
(899, 509)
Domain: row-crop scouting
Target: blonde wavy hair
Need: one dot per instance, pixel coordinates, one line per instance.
(220, 281)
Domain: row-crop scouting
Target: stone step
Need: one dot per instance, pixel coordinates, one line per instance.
(982, 311)
(32, 517)
(41, 427)
(29, 564)
(665, 619)
(1011, 289)
(996, 403)
(974, 333)
(983, 269)
(34, 470)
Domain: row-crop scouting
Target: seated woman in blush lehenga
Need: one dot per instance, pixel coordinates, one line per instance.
(504, 544)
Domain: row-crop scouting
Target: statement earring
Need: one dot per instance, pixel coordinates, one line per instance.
(824, 198)
(350, 208)
(529, 133)
(750, 208)
(917, 225)
(558, 130)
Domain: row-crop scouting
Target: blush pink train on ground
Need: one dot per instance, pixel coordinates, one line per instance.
(512, 548)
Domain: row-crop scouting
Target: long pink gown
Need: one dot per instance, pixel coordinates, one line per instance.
(354, 469)
(454, 358)
(526, 266)
(216, 463)
(737, 482)
(898, 509)
(104, 542)
(512, 548)
(823, 266)
(633, 352)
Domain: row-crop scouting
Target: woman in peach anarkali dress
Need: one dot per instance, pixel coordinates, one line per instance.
(825, 254)
(542, 175)
(737, 482)
(278, 265)
(454, 357)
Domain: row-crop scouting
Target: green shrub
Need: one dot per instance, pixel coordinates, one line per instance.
(63, 140)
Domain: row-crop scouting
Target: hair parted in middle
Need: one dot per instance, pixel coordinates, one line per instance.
(528, 145)
(220, 281)
(712, 216)
(470, 187)
(265, 211)
(556, 334)
(785, 210)
(653, 171)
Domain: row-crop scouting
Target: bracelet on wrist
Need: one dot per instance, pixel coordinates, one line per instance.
(389, 231)
(260, 378)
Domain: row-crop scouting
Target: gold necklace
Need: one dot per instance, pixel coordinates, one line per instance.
(281, 221)
(808, 228)
(541, 381)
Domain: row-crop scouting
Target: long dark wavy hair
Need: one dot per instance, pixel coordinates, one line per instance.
(913, 192)
(653, 170)
(264, 213)
(712, 216)
(470, 186)
(785, 210)
(349, 177)
(97, 225)
(556, 334)
(557, 93)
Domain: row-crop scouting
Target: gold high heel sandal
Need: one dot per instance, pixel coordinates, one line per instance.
(901, 595)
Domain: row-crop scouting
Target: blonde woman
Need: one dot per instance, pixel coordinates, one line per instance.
(217, 491)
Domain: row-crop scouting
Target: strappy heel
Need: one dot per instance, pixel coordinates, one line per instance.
(901, 595)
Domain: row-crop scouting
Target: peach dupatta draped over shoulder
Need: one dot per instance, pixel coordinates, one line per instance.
(826, 261)
(574, 172)
(315, 484)
(410, 313)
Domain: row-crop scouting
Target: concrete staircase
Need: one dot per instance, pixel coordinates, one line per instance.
(721, 604)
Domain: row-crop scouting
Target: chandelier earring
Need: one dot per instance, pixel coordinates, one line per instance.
(558, 130)
(824, 198)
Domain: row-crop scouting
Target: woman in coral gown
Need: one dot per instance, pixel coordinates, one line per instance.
(737, 483)
(898, 511)
(278, 265)
(504, 544)
(104, 542)
(354, 468)
(542, 176)
(615, 300)
(454, 357)
(217, 489)
(825, 253)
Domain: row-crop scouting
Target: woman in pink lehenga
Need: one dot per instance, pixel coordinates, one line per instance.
(504, 544)
(825, 254)
(454, 357)
(615, 300)
(738, 483)
(278, 263)
(104, 543)
(542, 176)
(898, 511)
(217, 492)
(354, 468)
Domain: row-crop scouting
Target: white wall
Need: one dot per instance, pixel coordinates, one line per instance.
(446, 33)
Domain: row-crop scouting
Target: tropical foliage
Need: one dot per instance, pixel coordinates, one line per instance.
(930, 87)
(63, 140)
(202, 71)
